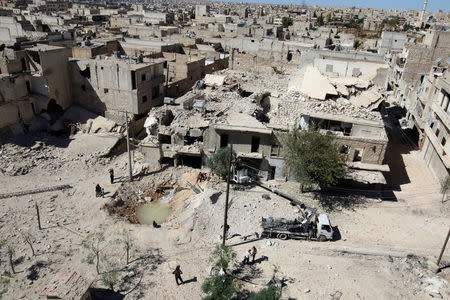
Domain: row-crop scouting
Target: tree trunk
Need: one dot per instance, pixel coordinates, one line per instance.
(31, 246)
(11, 263)
(97, 262)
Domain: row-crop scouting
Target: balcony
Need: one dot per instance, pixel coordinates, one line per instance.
(442, 114)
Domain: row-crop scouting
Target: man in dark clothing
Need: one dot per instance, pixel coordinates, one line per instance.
(254, 251)
(98, 190)
(111, 175)
(178, 273)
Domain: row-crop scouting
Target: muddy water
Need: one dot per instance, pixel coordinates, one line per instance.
(148, 213)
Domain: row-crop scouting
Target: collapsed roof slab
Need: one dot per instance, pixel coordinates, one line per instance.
(99, 144)
(214, 80)
(367, 99)
(351, 81)
(315, 85)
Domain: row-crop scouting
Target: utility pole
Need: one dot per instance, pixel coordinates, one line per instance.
(128, 146)
(443, 249)
(225, 217)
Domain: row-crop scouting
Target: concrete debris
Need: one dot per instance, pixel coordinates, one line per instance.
(336, 295)
(434, 286)
(350, 81)
(316, 85)
(88, 121)
(101, 124)
(214, 80)
(367, 99)
(342, 90)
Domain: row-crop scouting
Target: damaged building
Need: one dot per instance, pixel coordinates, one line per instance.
(33, 80)
(237, 108)
(109, 84)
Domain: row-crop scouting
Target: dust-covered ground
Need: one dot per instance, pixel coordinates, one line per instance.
(415, 225)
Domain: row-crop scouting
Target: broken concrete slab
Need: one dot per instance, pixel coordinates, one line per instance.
(214, 80)
(101, 124)
(343, 90)
(315, 85)
(195, 132)
(367, 99)
(96, 144)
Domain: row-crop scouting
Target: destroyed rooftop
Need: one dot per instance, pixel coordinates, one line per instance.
(235, 104)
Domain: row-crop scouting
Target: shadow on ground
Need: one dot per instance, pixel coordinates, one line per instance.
(104, 294)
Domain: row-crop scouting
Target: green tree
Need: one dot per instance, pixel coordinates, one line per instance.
(94, 244)
(287, 22)
(220, 285)
(271, 292)
(219, 161)
(128, 243)
(11, 253)
(392, 22)
(313, 157)
(356, 44)
(222, 256)
(328, 18)
(111, 277)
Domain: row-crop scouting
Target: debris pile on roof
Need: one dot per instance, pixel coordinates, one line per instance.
(315, 85)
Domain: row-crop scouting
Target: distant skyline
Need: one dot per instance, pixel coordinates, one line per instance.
(433, 5)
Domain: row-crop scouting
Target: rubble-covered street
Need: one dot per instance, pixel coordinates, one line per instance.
(397, 266)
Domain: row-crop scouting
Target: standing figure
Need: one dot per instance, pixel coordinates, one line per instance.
(111, 175)
(98, 190)
(246, 257)
(254, 251)
(178, 273)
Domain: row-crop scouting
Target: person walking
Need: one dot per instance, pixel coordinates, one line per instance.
(111, 175)
(178, 273)
(254, 251)
(246, 257)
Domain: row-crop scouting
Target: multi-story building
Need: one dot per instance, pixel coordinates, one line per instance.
(108, 84)
(431, 115)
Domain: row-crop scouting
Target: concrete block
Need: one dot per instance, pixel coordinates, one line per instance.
(195, 132)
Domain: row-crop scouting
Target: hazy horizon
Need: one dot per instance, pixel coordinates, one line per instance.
(433, 6)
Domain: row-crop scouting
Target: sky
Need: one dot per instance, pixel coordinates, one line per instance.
(433, 5)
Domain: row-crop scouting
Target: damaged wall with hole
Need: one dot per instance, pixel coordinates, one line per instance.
(361, 140)
(83, 92)
(52, 63)
(184, 75)
(108, 85)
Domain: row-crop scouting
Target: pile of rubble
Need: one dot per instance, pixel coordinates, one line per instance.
(20, 160)
(48, 154)
(355, 98)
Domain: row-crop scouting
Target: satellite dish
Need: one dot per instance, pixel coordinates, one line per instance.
(2, 47)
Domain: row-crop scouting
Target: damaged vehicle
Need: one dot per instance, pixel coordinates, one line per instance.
(315, 227)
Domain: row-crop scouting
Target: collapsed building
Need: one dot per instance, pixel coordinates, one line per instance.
(239, 109)
(33, 80)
